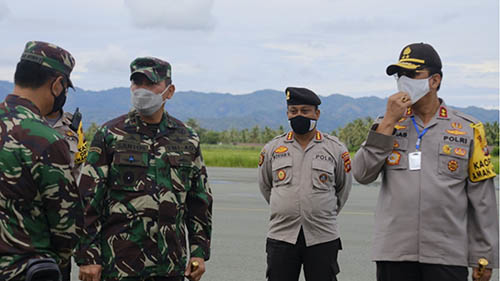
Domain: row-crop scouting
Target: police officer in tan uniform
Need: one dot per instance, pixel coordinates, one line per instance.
(70, 127)
(436, 214)
(305, 177)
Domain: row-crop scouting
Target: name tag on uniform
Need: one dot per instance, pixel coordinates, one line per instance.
(414, 160)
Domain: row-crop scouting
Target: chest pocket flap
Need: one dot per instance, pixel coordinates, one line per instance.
(130, 167)
(282, 171)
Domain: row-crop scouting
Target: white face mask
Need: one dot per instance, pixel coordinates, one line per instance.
(416, 88)
(147, 102)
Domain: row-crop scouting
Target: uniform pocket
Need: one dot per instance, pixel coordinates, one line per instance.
(453, 160)
(181, 171)
(282, 171)
(322, 174)
(130, 169)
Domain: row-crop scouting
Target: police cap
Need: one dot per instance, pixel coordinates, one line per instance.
(295, 96)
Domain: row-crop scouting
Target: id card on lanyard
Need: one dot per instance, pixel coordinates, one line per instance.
(415, 158)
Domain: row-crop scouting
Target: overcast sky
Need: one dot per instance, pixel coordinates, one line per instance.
(235, 46)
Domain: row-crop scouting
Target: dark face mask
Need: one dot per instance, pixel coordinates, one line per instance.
(302, 125)
(59, 101)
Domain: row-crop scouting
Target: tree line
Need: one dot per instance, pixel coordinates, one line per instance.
(352, 134)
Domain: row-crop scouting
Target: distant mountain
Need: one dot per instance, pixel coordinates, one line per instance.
(224, 111)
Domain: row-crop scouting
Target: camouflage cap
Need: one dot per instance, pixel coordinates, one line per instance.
(155, 69)
(50, 56)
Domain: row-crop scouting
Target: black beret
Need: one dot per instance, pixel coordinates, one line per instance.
(295, 96)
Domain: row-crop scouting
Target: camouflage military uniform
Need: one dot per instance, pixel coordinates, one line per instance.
(40, 208)
(39, 202)
(145, 189)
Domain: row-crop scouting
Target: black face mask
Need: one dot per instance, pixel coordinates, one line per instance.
(59, 101)
(302, 125)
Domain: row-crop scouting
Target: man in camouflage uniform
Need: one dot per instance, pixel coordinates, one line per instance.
(305, 177)
(146, 185)
(70, 127)
(436, 212)
(39, 202)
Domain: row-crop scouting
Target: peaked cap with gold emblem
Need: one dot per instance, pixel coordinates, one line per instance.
(416, 56)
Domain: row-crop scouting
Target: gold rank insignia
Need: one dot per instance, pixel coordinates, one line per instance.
(281, 174)
(289, 136)
(409, 111)
(70, 133)
(394, 158)
(456, 125)
(399, 127)
(318, 136)
(287, 95)
(443, 113)
(281, 149)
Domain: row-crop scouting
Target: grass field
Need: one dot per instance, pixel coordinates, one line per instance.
(248, 156)
(231, 155)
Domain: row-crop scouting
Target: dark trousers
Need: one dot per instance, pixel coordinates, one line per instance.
(415, 271)
(284, 260)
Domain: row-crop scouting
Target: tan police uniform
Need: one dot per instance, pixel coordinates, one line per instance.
(446, 212)
(63, 127)
(305, 187)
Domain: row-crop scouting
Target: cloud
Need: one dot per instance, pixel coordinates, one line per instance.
(172, 14)
(4, 10)
(483, 67)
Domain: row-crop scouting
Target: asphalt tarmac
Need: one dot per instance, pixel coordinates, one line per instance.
(240, 219)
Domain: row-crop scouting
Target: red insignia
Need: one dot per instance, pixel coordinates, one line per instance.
(261, 158)
(281, 175)
(452, 165)
(394, 158)
(409, 111)
(443, 112)
(347, 161)
(289, 136)
(318, 136)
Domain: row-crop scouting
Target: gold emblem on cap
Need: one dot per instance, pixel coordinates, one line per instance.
(406, 53)
(287, 95)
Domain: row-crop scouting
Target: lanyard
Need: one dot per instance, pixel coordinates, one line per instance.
(420, 135)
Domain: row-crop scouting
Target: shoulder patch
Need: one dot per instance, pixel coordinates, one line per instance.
(480, 166)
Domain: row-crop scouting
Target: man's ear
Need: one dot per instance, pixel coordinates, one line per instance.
(435, 81)
(318, 112)
(170, 92)
(56, 86)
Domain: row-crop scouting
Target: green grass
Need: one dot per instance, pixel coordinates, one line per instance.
(242, 156)
(230, 155)
(494, 159)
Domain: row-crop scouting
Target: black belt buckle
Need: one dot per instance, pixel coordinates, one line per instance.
(43, 269)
